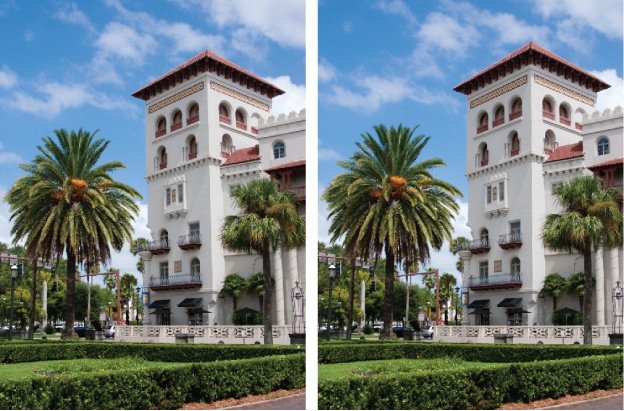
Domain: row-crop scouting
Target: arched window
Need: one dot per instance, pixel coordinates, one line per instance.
(192, 148)
(547, 109)
(241, 122)
(224, 114)
(483, 123)
(564, 115)
(164, 237)
(499, 116)
(176, 121)
(484, 236)
(226, 144)
(603, 146)
(163, 158)
(549, 142)
(195, 267)
(161, 127)
(485, 155)
(515, 265)
(279, 150)
(254, 123)
(515, 145)
(193, 114)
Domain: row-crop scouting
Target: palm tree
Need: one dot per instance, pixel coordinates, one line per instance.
(255, 284)
(447, 282)
(136, 246)
(389, 202)
(233, 286)
(458, 244)
(554, 286)
(429, 280)
(126, 291)
(110, 280)
(576, 285)
(268, 221)
(68, 204)
(590, 219)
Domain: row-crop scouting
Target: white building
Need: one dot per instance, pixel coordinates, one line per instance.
(531, 125)
(209, 128)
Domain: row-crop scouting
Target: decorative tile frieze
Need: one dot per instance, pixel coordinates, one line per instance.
(565, 91)
(176, 97)
(239, 96)
(499, 91)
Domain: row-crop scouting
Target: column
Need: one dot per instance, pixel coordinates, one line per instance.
(600, 288)
(611, 273)
(293, 275)
(146, 256)
(363, 303)
(279, 286)
(465, 256)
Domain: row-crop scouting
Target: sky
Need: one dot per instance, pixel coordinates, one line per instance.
(74, 65)
(397, 62)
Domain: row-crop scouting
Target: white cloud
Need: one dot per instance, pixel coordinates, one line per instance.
(396, 7)
(8, 79)
(442, 32)
(187, 39)
(604, 17)
(611, 97)
(294, 98)
(8, 158)
(509, 30)
(71, 14)
(122, 41)
(327, 154)
(5, 225)
(124, 260)
(326, 72)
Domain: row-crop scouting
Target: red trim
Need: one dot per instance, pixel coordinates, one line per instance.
(225, 119)
(498, 122)
(176, 126)
(515, 115)
(548, 114)
(564, 120)
(193, 119)
(161, 133)
(481, 129)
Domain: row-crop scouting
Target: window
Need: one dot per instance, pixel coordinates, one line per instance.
(167, 197)
(194, 228)
(240, 120)
(195, 267)
(193, 115)
(180, 193)
(192, 149)
(279, 150)
(224, 114)
(483, 271)
(501, 191)
(161, 127)
(164, 273)
(515, 265)
(603, 146)
(489, 194)
(176, 123)
(514, 227)
(484, 237)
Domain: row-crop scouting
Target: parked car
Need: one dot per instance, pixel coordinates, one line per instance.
(400, 331)
(428, 332)
(109, 331)
(80, 330)
(377, 327)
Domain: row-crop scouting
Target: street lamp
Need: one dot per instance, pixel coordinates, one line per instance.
(13, 278)
(456, 303)
(332, 274)
(138, 290)
(428, 311)
(110, 313)
(371, 270)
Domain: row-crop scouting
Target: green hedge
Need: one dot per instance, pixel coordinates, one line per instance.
(338, 353)
(16, 353)
(165, 388)
(474, 387)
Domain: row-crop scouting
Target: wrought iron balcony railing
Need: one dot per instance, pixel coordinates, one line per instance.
(496, 281)
(477, 246)
(190, 241)
(510, 240)
(155, 247)
(178, 281)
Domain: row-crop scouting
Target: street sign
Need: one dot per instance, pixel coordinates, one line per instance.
(421, 316)
(102, 316)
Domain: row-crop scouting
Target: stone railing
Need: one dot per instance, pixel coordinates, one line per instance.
(536, 334)
(206, 334)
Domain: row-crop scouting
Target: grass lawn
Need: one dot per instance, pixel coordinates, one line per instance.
(366, 369)
(69, 367)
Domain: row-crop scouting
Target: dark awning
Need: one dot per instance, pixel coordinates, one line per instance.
(566, 310)
(478, 303)
(480, 311)
(510, 302)
(158, 304)
(198, 311)
(161, 311)
(190, 302)
(246, 310)
(519, 310)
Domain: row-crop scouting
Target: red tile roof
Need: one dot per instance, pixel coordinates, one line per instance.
(206, 59)
(243, 155)
(607, 163)
(294, 164)
(521, 57)
(566, 152)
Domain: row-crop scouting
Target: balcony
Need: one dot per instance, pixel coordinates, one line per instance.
(578, 126)
(156, 247)
(565, 121)
(175, 282)
(548, 115)
(241, 125)
(254, 131)
(225, 119)
(192, 155)
(161, 133)
(510, 241)
(190, 241)
(300, 192)
(484, 163)
(482, 128)
(514, 152)
(498, 122)
(176, 126)
(162, 165)
(515, 115)
(475, 246)
(495, 282)
(192, 119)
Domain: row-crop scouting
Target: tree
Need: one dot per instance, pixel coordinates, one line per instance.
(554, 286)
(268, 221)
(429, 280)
(388, 202)
(456, 245)
(110, 280)
(576, 285)
(233, 286)
(255, 284)
(136, 246)
(127, 283)
(447, 282)
(68, 204)
(590, 219)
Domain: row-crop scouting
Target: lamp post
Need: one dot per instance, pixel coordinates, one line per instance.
(13, 278)
(428, 311)
(110, 313)
(138, 290)
(332, 274)
(339, 314)
(371, 270)
(456, 303)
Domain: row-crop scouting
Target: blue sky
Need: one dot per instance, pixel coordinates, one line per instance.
(397, 61)
(75, 64)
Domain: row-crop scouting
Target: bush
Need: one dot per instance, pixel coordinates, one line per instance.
(49, 329)
(247, 319)
(367, 329)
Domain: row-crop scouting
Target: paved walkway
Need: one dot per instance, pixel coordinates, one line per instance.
(613, 402)
(294, 402)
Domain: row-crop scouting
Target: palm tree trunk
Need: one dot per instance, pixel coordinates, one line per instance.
(268, 295)
(70, 303)
(351, 292)
(389, 293)
(589, 294)
(33, 296)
